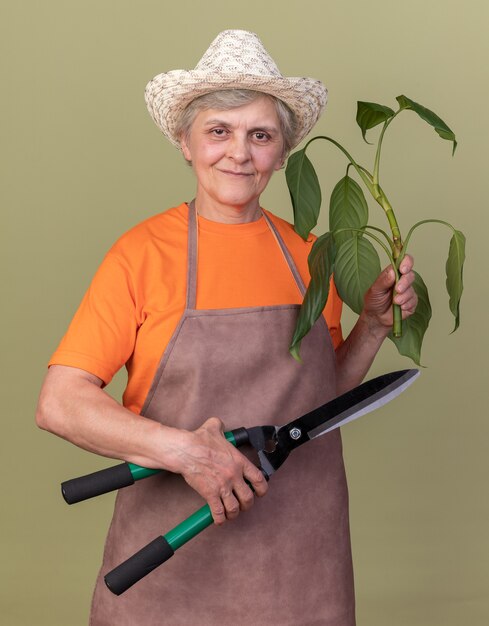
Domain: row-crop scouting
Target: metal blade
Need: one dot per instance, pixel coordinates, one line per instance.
(353, 404)
(382, 390)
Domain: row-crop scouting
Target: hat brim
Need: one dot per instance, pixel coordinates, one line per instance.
(168, 94)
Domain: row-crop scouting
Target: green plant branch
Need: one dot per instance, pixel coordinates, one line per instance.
(379, 195)
(370, 115)
(362, 172)
(408, 237)
(364, 169)
(379, 230)
(375, 190)
(391, 218)
(367, 173)
(379, 146)
(372, 184)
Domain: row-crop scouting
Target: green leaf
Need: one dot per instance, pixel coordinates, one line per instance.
(430, 117)
(414, 327)
(454, 269)
(370, 114)
(356, 267)
(305, 192)
(320, 261)
(347, 208)
(454, 265)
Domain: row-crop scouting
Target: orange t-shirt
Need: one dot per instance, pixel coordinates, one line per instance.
(137, 296)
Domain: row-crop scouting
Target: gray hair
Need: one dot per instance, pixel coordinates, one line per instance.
(226, 99)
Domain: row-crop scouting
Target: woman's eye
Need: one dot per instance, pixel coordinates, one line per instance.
(218, 132)
(261, 136)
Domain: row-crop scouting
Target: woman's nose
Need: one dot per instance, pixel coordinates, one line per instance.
(238, 148)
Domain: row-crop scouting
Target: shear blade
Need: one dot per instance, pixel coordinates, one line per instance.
(368, 397)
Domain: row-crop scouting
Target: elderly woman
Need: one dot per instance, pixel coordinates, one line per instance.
(199, 303)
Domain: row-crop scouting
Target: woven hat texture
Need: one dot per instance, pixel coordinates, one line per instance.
(236, 59)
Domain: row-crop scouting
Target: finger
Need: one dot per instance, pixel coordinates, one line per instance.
(407, 296)
(409, 307)
(406, 264)
(231, 504)
(245, 496)
(213, 425)
(405, 282)
(217, 509)
(256, 479)
(385, 279)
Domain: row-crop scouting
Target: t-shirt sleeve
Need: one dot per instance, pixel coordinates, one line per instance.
(101, 336)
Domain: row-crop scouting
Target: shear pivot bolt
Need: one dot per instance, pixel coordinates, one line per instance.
(295, 433)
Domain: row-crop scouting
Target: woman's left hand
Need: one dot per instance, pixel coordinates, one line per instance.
(356, 354)
(378, 299)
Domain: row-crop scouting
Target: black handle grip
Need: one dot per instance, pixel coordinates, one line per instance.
(241, 436)
(138, 566)
(91, 485)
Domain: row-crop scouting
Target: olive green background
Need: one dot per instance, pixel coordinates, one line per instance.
(82, 162)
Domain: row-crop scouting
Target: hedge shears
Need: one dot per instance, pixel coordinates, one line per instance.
(273, 445)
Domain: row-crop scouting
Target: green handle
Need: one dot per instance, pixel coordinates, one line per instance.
(163, 547)
(201, 519)
(189, 528)
(138, 472)
(117, 477)
(156, 552)
(197, 522)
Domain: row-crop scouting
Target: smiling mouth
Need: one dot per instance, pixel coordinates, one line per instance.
(230, 172)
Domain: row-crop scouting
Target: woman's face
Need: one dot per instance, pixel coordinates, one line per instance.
(234, 153)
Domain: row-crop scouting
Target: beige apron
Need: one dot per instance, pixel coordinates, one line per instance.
(287, 561)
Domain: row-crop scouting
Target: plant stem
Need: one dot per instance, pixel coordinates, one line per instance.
(397, 245)
(364, 174)
(379, 145)
(396, 320)
(430, 221)
(397, 255)
(379, 230)
(391, 218)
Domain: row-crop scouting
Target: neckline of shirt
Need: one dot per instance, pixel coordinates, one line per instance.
(241, 230)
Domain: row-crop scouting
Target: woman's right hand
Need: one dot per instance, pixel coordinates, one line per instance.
(218, 471)
(73, 405)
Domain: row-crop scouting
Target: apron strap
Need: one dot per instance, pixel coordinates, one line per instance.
(288, 257)
(192, 257)
(192, 251)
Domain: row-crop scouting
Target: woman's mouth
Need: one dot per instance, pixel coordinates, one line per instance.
(238, 174)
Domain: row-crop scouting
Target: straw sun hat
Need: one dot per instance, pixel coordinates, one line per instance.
(236, 59)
